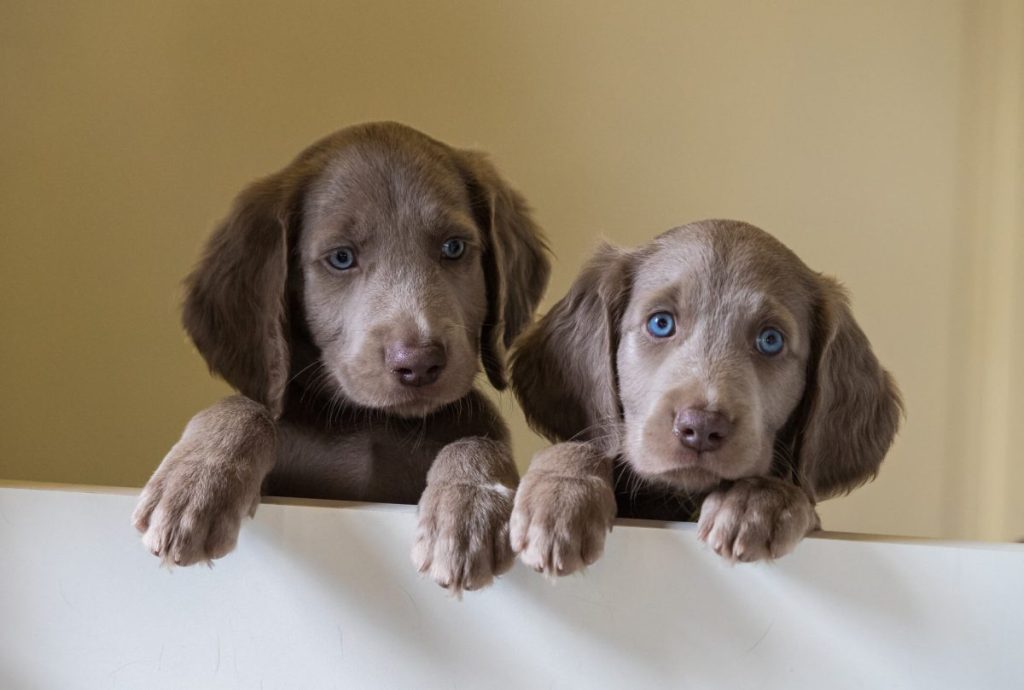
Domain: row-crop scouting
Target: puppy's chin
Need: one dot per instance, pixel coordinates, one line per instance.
(674, 467)
(415, 408)
(691, 479)
(670, 464)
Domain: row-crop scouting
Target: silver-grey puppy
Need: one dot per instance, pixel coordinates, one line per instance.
(351, 299)
(709, 371)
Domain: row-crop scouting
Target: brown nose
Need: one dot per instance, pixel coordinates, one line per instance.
(415, 365)
(701, 430)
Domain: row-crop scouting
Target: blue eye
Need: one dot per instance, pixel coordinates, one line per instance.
(342, 258)
(770, 342)
(661, 324)
(453, 248)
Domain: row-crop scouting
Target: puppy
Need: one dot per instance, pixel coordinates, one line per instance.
(707, 373)
(351, 299)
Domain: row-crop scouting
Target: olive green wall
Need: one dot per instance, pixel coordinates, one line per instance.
(855, 131)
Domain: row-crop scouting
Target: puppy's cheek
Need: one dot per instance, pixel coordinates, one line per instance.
(463, 365)
(653, 447)
(342, 378)
(636, 453)
(750, 455)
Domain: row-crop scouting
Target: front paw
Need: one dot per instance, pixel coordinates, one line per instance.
(560, 521)
(189, 514)
(756, 519)
(462, 534)
(192, 508)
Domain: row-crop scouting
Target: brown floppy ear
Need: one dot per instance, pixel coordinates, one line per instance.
(234, 307)
(516, 265)
(853, 407)
(563, 368)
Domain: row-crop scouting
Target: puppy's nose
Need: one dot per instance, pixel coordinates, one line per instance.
(415, 365)
(701, 430)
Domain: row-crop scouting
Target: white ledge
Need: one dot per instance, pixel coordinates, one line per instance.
(322, 594)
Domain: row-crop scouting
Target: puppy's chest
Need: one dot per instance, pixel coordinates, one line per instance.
(636, 498)
(361, 462)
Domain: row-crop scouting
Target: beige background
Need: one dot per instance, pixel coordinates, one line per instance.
(880, 140)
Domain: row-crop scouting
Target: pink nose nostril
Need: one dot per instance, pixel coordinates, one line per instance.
(700, 429)
(415, 365)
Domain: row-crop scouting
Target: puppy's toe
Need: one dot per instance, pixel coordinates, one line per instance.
(423, 548)
(148, 500)
(478, 570)
(708, 512)
(567, 555)
(188, 540)
(160, 532)
(537, 551)
(222, 537)
(447, 565)
(593, 544)
(790, 526)
(422, 558)
(153, 539)
(752, 541)
(720, 531)
(518, 527)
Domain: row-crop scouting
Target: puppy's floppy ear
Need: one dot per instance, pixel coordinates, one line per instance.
(516, 265)
(563, 368)
(234, 307)
(852, 406)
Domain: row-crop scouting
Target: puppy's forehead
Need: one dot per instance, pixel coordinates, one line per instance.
(715, 261)
(405, 181)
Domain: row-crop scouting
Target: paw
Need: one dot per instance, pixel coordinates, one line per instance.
(559, 522)
(462, 534)
(192, 508)
(756, 519)
(189, 516)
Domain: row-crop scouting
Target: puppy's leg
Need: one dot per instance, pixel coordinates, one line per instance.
(462, 537)
(192, 507)
(564, 509)
(756, 518)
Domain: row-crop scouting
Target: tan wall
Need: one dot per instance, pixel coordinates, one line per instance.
(128, 126)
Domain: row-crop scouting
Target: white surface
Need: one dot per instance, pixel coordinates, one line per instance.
(325, 597)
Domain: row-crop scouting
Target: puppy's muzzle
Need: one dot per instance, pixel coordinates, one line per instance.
(415, 365)
(700, 429)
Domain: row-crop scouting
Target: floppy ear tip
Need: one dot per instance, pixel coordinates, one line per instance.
(525, 362)
(895, 397)
(497, 378)
(893, 411)
(886, 417)
(193, 314)
(519, 365)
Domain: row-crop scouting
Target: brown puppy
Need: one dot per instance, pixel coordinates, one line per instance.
(709, 370)
(351, 298)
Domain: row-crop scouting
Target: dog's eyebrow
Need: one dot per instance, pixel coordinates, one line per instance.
(666, 297)
(771, 310)
(450, 223)
(336, 233)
